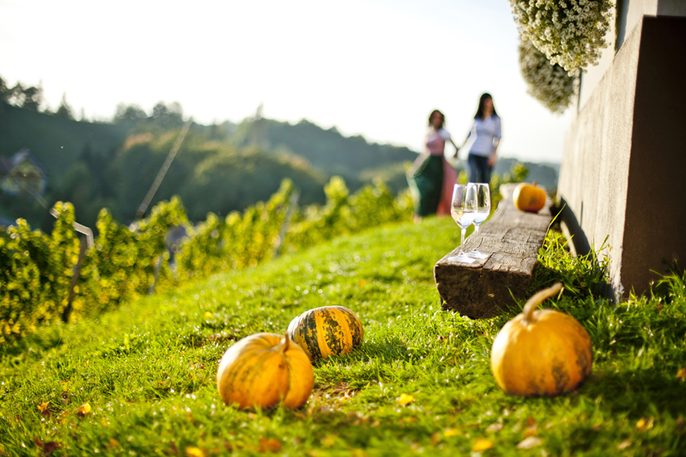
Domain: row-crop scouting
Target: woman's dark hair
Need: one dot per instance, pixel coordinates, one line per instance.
(432, 115)
(480, 112)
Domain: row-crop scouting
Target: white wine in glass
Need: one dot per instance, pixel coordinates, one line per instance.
(482, 209)
(462, 210)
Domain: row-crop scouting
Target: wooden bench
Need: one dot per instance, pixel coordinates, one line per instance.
(488, 287)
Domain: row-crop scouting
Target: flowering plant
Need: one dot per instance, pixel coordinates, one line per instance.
(548, 83)
(569, 32)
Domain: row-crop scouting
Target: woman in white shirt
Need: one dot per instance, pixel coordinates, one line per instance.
(431, 177)
(485, 135)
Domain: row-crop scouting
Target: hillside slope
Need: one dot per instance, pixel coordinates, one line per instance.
(141, 380)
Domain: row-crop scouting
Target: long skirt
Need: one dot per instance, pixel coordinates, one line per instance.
(431, 180)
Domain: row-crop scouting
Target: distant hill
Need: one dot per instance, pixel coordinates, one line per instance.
(56, 141)
(546, 174)
(219, 168)
(353, 158)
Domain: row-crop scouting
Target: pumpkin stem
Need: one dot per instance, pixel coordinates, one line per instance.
(283, 346)
(537, 298)
(535, 182)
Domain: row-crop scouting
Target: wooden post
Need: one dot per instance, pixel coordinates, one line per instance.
(158, 267)
(66, 312)
(286, 223)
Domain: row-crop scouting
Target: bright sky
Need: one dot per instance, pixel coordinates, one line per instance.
(370, 67)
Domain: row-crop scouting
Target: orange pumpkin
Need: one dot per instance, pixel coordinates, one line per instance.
(528, 197)
(264, 369)
(541, 352)
(326, 331)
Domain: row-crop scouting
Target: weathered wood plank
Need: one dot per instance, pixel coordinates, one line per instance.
(486, 287)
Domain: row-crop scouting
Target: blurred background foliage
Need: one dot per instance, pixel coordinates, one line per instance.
(219, 168)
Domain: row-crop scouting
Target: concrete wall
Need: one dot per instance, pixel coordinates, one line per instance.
(595, 165)
(625, 161)
(656, 203)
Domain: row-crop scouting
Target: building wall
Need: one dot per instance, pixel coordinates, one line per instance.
(593, 175)
(624, 159)
(656, 202)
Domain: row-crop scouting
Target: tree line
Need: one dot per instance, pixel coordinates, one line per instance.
(220, 168)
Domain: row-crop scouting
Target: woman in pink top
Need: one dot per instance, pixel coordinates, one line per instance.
(431, 177)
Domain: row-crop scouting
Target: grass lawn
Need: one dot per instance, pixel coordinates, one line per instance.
(141, 380)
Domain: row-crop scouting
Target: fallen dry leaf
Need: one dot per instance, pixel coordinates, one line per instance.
(48, 447)
(269, 445)
(531, 427)
(84, 409)
(481, 444)
(192, 451)
(495, 427)
(405, 399)
(681, 374)
(113, 444)
(65, 398)
(644, 423)
(329, 440)
(324, 409)
(529, 443)
(43, 406)
(624, 444)
(63, 417)
(448, 432)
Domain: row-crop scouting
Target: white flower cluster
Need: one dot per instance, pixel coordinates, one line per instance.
(569, 32)
(548, 83)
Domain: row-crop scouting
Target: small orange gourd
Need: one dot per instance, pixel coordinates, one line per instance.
(264, 369)
(541, 352)
(528, 197)
(326, 331)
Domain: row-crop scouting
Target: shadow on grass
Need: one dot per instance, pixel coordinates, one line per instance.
(44, 339)
(388, 350)
(638, 392)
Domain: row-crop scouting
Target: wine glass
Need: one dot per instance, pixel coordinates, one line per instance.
(462, 210)
(482, 209)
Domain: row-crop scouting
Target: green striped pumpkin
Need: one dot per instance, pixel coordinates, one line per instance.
(326, 331)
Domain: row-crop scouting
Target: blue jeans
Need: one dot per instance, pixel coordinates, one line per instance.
(478, 169)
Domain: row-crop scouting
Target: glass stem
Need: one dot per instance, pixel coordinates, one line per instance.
(475, 234)
(463, 231)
